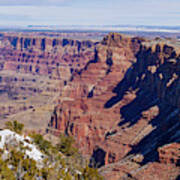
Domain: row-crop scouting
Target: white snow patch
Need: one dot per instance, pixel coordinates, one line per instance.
(32, 152)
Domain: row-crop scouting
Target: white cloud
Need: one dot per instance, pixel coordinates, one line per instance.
(62, 12)
(31, 2)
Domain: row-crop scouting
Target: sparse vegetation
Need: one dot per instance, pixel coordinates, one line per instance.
(59, 162)
(14, 126)
(91, 173)
(43, 144)
(66, 145)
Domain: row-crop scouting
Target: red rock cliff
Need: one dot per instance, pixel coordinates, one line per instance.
(53, 56)
(33, 69)
(125, 101)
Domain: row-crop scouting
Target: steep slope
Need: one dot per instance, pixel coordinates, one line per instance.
(82, 111)
(125, 103)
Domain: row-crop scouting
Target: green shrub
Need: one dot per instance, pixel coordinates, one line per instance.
(14, 126)
(29, 165)
(5, 172)
(91, 174)
(66, 145)
(43, 144)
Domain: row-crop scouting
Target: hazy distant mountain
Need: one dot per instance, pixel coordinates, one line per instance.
(106, 28)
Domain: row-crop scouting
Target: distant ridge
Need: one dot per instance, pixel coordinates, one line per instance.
(101, 28)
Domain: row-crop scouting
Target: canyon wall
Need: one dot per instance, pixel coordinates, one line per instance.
(33, 70)
(119, 98)
(44, 55)
(124, 105)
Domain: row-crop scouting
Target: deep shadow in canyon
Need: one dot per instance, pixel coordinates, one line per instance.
(155, 82)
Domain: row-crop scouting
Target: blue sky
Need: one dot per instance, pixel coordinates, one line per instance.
(90, 12)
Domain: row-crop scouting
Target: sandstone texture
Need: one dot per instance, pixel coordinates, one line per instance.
(123, 106)
(33, 69)
(170, 154)
(118, 97)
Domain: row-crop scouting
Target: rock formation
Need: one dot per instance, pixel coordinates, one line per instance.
(119, 98)
(33, 70)
(123, 105)
(44, 55)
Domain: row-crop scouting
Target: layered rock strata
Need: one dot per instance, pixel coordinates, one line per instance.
(126, 101)
(33, 70)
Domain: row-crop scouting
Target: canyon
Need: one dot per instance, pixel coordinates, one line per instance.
(33, 68)
(118, 97)
(123, 106)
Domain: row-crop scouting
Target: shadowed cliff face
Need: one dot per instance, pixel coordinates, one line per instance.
(125, 104)
(155, 79)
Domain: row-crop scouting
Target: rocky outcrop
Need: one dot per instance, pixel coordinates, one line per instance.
(124, 102)
(170, 154)
(83, 99)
